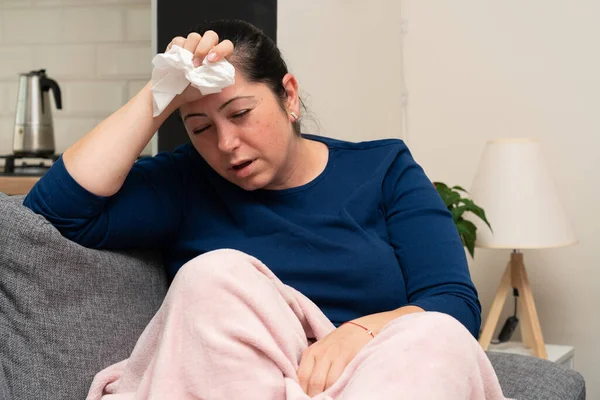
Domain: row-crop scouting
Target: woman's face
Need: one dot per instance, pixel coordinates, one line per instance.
(243, 133)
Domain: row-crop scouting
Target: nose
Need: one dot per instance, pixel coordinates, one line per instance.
(228, 140)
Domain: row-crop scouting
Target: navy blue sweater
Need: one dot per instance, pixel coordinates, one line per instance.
(369, 234)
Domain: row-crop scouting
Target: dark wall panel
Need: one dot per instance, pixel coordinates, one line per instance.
(179, 17)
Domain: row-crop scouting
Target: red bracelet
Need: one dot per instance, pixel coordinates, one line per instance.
(369, 332)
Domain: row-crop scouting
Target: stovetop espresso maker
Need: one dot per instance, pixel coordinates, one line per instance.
(34, 131)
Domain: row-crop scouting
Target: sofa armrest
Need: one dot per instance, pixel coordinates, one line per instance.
(530, 378)
(67, 312)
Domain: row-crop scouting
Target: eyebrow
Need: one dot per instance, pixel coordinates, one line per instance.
(221, 107)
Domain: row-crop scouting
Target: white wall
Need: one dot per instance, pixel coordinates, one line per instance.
(347, 56)
(477, 70)
(99, 52)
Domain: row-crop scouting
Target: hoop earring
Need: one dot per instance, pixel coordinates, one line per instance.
(293, 114)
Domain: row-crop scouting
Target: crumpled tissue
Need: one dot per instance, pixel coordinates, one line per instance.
(174, 71)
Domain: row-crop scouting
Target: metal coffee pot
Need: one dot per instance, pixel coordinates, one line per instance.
(34, 131)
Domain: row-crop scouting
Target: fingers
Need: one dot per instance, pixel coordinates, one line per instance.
(191, 42)
(208, 41)
(178, 40)
(318, 377)
(317, 372)
(335, 371)
(221, 51)
(305, 369)
(204, 46)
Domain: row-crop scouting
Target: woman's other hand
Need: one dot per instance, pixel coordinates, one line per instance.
(324, 361)
(201, 46)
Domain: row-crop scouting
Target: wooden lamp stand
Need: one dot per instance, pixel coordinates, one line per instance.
(515, 276)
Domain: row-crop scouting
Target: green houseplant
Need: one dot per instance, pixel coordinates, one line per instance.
(458, 206)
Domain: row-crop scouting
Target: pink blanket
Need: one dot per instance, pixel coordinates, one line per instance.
(229, 329)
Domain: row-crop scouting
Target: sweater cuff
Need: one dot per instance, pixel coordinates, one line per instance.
(453, 306)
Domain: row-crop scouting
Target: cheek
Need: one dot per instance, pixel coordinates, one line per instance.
(269, 135)
(207, 147)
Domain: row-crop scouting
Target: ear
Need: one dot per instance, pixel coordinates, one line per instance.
(292, 103)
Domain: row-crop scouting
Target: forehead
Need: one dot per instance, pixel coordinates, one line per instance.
(241, 87)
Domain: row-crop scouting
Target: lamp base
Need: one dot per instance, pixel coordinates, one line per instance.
(515, 276)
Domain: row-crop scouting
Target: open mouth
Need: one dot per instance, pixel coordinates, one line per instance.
(241, 165)
(243, 169)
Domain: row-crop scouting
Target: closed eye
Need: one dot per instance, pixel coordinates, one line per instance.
(240, 114)
(235, 116)
(200, 130)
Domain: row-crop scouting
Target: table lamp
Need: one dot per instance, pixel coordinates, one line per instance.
(516, 191)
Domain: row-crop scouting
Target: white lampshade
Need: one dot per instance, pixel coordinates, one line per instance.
(515, 190)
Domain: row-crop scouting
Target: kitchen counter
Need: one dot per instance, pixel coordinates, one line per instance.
(16, 184)
(25, 172)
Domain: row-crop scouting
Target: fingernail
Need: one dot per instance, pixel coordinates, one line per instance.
(196, 62)
(212, 56)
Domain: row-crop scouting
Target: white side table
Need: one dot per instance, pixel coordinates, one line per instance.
(560, 354)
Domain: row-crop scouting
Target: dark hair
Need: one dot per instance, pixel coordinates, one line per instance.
(256, 56)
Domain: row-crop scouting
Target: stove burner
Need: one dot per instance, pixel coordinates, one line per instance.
(34, 166)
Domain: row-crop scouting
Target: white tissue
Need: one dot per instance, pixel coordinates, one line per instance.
(174, 71)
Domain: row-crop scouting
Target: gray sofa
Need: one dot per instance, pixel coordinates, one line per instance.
(67, 312)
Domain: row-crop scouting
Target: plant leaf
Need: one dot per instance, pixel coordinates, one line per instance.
(467, 231)
(458, 206)
(468, 225)
(443, 190)
(452, 198)
(475, 209)
(446, 194)
(466, 228)
(470, 245)
(457, 212)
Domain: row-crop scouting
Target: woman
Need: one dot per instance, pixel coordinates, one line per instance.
(357, 228)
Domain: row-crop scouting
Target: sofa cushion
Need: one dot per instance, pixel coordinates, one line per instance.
(3, 384)
(66, 311)
(530, 378)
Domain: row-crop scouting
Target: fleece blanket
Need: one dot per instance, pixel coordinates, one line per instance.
(230, 329)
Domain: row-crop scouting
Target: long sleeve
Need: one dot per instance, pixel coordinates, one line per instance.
(144, 213)
(427, 244)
